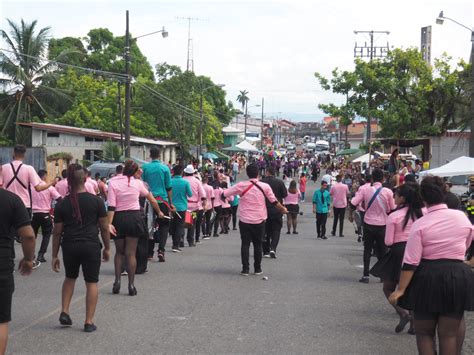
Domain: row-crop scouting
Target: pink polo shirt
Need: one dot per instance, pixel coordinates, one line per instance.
(377, 214)
(394, 233)
(360, 207)
(195, 202)
(62, 188)
(226, 203)
(41, 201)
(292, 199)
(124, 195)
(339, 192)
(217, 198)
(91, 186)
(441, 234)
(27, 175)
(209, 191)
(252, 208)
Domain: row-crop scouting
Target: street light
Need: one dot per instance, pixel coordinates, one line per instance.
(164, 34)
(246, 116)
(440, 21)
(199, 150)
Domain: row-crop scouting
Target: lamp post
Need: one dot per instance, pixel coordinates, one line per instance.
(440, 21)
(128, 80)
(246, 116)
(261, 127)
(199, 150)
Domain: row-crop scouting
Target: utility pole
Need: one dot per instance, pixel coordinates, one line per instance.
(119, 103)
(127, 88)
(245, 122)
(189, 60)
(199, 150)
(261, 127)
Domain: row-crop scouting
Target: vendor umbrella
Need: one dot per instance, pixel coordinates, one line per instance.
(209, 155)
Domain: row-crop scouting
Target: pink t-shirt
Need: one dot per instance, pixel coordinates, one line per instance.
(27, 175)
(124, 195)
(339, 192)
(252, 206)
(394, 233)
(41, 201)
(292, 199)
(359, 191)
(195, 202)
(209, 195)
(226, 203)
(303, 184)
(377, 214)
(62, 188)
(441, 234)
(217, 198)
(91, 186)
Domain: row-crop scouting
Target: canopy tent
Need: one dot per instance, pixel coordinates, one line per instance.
(209, 155)
(365, 158)
(234, 148)
(220, 156)
(348, 151)
(246, 146)
(460, 166)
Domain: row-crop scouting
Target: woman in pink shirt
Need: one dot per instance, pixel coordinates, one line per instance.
(226, 213)
(126, 221)
(291, 204)
(435, 282)
(399, 223)
(303, 186)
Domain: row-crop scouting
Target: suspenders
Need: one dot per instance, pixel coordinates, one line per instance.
(15, 177)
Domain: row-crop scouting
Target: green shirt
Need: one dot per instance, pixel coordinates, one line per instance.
(181, 192)
(158, 178)
(322, 200)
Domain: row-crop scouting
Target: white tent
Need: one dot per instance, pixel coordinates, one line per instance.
(365, 158)
(460, 166)
(248, 147)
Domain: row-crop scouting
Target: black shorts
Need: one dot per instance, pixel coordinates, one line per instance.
(82, 253)
(130, 224)
(7, 286)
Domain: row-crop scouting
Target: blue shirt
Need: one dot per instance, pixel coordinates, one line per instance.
(235, 201)
(181, 192)
(322, 207)
(158, 178)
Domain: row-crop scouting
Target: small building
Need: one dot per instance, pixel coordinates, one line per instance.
(87, 144)
(231, 135)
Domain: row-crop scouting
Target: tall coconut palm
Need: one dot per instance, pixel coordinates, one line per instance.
(23, 72)
(243, 98)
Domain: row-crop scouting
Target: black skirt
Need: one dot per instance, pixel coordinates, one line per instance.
(293, 209)
(389, 267)
(129, 224)
(440, 286)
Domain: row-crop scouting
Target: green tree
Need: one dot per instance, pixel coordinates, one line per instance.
(242, 98)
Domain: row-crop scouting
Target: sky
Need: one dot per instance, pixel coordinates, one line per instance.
(269, 48)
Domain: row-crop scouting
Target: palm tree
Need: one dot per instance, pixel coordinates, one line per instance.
(24, 71)
(243, 98)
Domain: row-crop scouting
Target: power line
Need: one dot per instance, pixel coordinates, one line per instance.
(190, 60)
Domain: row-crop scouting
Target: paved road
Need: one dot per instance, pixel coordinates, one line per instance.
(197, 302)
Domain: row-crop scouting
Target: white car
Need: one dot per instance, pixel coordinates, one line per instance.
(291, 147)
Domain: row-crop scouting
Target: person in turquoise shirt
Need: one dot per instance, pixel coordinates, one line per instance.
(234, 205)
(321, 207)
(158, 178)
(181, 192)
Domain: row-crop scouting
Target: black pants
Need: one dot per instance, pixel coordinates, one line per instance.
(374, 238)
(234, 216)
(272, 233)
(206, 223)
(85, 254)
(217, 218)
(339, 214)
(251, 233)
(44, 221)
(177, 228)
(195, 231)
(142, 255)
(321, 219)
(163, 227)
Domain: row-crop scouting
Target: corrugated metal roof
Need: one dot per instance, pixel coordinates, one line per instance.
(89, 132)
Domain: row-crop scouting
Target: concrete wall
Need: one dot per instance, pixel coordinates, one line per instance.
(447, 148)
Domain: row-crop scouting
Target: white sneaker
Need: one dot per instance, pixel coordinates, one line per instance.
(266, 255)
(36, 264)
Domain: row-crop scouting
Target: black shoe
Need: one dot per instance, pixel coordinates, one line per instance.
(244, 273)
(132, 291)
(402, 324)
(318, 237)
(324, 237)
(89, 328)
(41, 258)
(116, 288)
(234, 229)
(333, 234)
(65, 319)
(359, 239)
(181, 245)
(161, 257)
(258, 272)
(411, 331)
(364, 279)
(295, 232)
(215, 235)
(192, 245)
(341, 236)
(272, 254)
(288, 232)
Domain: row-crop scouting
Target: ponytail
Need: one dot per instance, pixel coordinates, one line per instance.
(130, 169)
(411, 193)
(75, 177)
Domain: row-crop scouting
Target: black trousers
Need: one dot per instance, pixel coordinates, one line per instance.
(217, 218)
(374, 238)
(163, 228)
(321, 219)
(44, 221)
(142, 255)
(234, 216)
(251, 233)
(177, 228)
(195, 231)
(273, 227)
(206, 223)
(339, 214)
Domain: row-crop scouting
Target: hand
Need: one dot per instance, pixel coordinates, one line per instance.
(106, 255)
(173, 209)
(394, 297)
(314, 211)
(55, 264)
(161, 215)
(112, 230)
(25, 267)
(351, 218)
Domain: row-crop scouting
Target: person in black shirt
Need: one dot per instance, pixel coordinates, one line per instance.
(14, 220)
(76, 219)
(274, 221)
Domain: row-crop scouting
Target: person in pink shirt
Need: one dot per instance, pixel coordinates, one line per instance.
(435, 283)
(302, 182)
(210, 198)
(339, 193)
(378, 203)
(61, 186)
(399, 223)
(291, 204)
(253, 214)
(217, 208)
(18, 177)
(226, 210)
(196, 203)
(41, 207)
(126, 221)
(91, 185)
(357, 214)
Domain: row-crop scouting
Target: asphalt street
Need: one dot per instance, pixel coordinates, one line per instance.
(196, 302)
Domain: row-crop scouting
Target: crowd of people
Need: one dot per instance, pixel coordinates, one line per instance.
(407, 225)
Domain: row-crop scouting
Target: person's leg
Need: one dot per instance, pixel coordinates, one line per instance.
(334, 223)
(448, 329)
(266, 240)
(130, 253)
(425, 330)
(368, 245)
(460, 335)
(198, 225)
(379, 239)
(218, 210)
(295, 222)
(3, 337)
(258, 231)
(164, 226)
(67, 293)
(318, 224)
(342, 214)
(277, 224)
(46, 230)
(324, 219)
(92, 295)
(208, 223)
(289, 222)
(245, 236)
(234, 217)
(118, 258)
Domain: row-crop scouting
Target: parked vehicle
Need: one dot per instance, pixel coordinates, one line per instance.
(104, 169)
(291, 147)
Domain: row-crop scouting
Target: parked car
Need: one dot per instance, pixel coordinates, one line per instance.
(291, 147)
(460, 184)
(104, 169)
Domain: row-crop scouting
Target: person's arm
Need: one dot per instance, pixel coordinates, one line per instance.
(111, 203)
(315, 209)
(27, 237)
(154, 204)
(35, 181)
(105, 236)
(237, 189)
(390, 231)
(169, 190)
(57, 231)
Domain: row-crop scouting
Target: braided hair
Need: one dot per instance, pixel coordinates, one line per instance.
(75, 178)
(411, 193)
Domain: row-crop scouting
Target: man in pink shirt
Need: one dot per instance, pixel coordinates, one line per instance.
(61, 186)
(91, 185)
(41, 206)
(18, 177)
(378, 202)
(196, 203)
(253, 214)
(339, 193)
